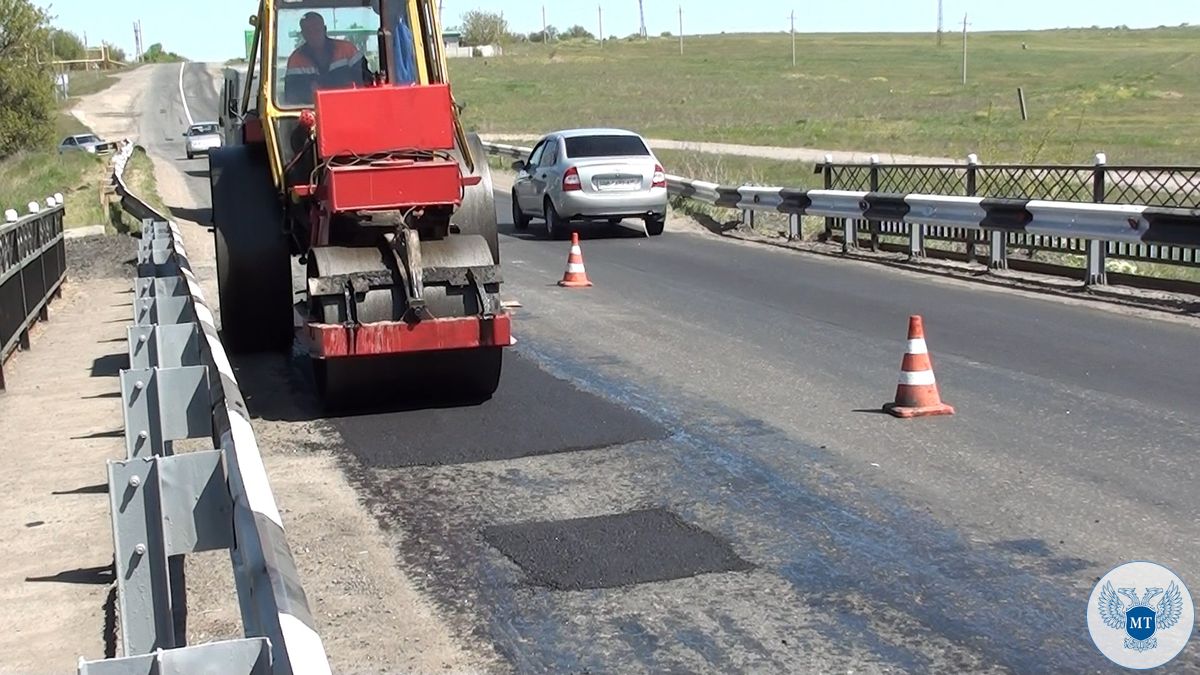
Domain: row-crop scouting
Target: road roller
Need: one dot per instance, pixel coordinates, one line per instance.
(354, 218)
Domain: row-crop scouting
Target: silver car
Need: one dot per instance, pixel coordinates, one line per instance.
(86, 143)
(589, 174)
(202, 137)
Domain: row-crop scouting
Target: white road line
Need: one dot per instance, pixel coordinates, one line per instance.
(182, 98)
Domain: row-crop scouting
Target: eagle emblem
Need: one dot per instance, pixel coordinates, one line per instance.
(1139, 619)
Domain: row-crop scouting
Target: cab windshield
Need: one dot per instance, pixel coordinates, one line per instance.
(327, 45)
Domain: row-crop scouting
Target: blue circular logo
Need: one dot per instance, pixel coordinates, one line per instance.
(1140, 615)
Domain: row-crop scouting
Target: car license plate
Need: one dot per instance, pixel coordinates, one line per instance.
(619, 183)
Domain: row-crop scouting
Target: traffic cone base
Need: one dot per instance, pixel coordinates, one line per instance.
(917, 392)
(575, 275)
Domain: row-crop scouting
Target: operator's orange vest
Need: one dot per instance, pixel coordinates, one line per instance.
(304, 73)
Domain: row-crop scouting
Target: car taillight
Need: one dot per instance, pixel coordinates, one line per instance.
(571, 180)
(660, 177)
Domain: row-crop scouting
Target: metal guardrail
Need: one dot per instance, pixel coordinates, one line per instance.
(1099, 183)
(999, 221)
(164, 505)
(33, 267)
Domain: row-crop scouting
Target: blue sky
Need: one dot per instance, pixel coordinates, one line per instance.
(211, 30)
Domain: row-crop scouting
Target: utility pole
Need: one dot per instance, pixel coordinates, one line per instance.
(545, 37)
(642, 14)
(964, 50)
(137, 41)
(793, 38)
(940, 22)
(600, 14)
(681, 30)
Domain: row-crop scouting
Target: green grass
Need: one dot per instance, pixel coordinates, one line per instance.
(34, 176)
(87, 82)
(139, 177)
(1131, 94)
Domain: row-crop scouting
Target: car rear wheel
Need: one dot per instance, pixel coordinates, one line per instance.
(654, 225)
(556, 226)
(520, 220)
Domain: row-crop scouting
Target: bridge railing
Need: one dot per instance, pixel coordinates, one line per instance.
(1165, 234)
(1099, 183)
(166, 505)
(33, 266)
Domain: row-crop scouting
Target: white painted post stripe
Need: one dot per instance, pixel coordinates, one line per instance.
(917, 379)
(917, 346)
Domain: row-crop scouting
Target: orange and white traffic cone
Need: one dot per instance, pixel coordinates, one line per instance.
(917, 393)
(575, 276)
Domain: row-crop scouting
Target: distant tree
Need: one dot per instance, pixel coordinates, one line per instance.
(156, 54)
(483, 28)
(115, 53)
(550, 35)
(27, 105)
(65, 45)
(578, 32)
(665, 33)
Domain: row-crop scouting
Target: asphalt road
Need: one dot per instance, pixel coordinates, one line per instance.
(685, 469)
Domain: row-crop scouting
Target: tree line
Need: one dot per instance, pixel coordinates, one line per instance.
(489, 28)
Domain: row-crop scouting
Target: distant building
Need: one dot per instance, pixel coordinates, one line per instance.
(455, 50)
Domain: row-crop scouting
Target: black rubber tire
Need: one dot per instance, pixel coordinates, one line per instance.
(254, 274)
(654, 226)
(556, 227)
(477, 215)
(520, 220)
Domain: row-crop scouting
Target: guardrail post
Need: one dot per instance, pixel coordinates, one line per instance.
(162, 405)
(162, 509)
(827, 171)
(749, 217)
(873, 225)
(1097, 250)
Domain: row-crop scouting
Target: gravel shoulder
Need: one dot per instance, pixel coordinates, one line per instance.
(60, 420)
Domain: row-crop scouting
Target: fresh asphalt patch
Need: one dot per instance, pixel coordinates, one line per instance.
(611, 551)
(532, 413)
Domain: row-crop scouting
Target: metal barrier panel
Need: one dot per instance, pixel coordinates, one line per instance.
(165, 505)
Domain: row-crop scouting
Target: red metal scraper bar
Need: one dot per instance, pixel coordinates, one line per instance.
(393, 337)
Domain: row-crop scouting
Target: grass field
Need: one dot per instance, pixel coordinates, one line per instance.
(1131, 94)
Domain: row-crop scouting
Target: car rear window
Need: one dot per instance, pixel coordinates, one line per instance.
(605, 146)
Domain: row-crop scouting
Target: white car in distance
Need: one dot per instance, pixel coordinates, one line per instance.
(589, 175)
(202, 137)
